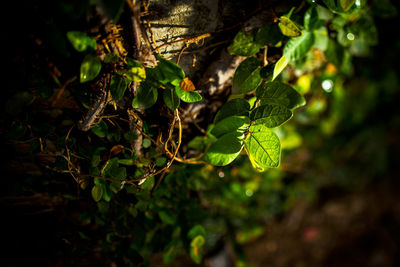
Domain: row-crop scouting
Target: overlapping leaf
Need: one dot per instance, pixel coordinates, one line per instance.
(225, 149)
(146, 96)
(280, 94)
(244, 44)
(297, 48)
(247, 76)
(235, 107)
(230, 124)
(271, 115)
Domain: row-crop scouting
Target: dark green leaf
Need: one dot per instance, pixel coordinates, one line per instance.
(160, 162)
(225, 149)
(247, 76)
(118, 86)
(167, 217)
(81, 41)
(187, 96)
(346, 4)
(146, 96)
(244, 44)
(106, 192)
(311, 19)
(195, 231)
(268, 35)
(111, 8)
(231, 124)
(113, 170)
(129, 136)
(271, 115)
(235, 107)
(263, 147)
(171, 99)
(90, 68)
(167, 71)
(288, 27)
(280, 94)
(267, 72)
(100, 129)
(97, 192)
(297, 48)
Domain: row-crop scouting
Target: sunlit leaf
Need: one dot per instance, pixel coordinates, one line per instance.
(280, 94)
(247, 76)
(235, 107)
(288, 27)
(244, 44)
(187, 96)
(167, 71)
(90, 68)
(135, 71)
(263, 146)
(171, 99)
(297, 48)
(279, 66)
(118, 87)
(225, 149)
(230, 124)
(271, 115)
(146, 96)
(97, 192)
(81, 41)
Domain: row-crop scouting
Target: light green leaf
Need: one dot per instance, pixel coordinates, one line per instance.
(235, 107)
(90, 68)
(146, 96)
(280, 66)
(297, 48)
(135, 71)
(97, 192)
(171, 99)
(271, 115)
(288, 27)
(100, 129)
(81, 41)
(127, 162)
(187, 96)
(167, 71)
(247, 76)
(230, 124)
(198, 241)
(280, 94)
(118, 87)
(263, 147)
(225, 149)
(244, 44)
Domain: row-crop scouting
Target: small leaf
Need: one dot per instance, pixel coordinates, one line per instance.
(280, 94)
(97, 192)
(90, 68)
(263, 147)
(167, 217)
(146, 96)
(127, 162)
(280, 66)
(188, 97)
(311, 19)
(171, 99)
(225, 149)
(100, 129)
(167, 71)
(118, 87)
(267, 72)
(237, 106)
(288, 27)
(198, 241)
(271, 115)
(81, 41)
(113, 170)
(146, 143)
(247, 76)
(230, 124)
(297, 48)
(196, 231)
(135, 71)
(244, 44)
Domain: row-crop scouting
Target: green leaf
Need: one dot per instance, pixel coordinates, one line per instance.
(146, 96)
(271, 115)
(288, 27)
(171, 99)
(268, 35)
(280, 94)
(187, 96)
(196, 251)
(127, 162)
(247, 76)
(167, 71)
(100, 129)
(244, 44)
(135, 71)
(297, 48)
(225, 149)
(97, 192)
(331, 4)
(113, 170)
(106, 192)
(267, 72)
(81, 41)
(311, 19)
(160, 162)
(280, 66)
(146, 143)
(118, 87)
(263, 147)
(167, 217)
(196, 231)
(90, 68)
(235, 107)
(231, 124)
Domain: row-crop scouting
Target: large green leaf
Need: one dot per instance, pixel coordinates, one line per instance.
(167, 71)
(225, 149)
(237, 106)
(280, 94)
(271, 115)
(263, 147)
(187, 96)
(247, 76)
(297, 48)
(280, 65)
(90, 68)
(118, 87)
(288, 27)
(244, 44)
(171, 99)
(146, 96)
(230, 124)
(81, 41)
